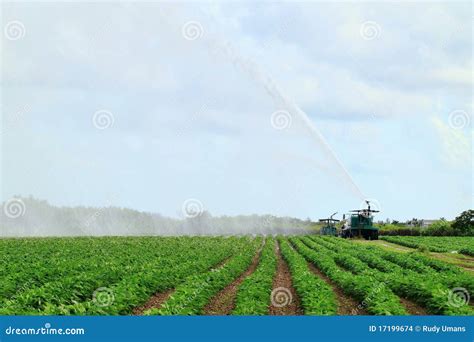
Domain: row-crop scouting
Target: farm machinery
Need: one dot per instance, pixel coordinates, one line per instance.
(329, 227)
(361, 224)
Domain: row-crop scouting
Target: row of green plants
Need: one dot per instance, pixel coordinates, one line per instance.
(412, 264)
(134, 290)
(439, 244)
(51, 258)
(412, 260)
(374, 295)
(191, 296)
(129, 270)
(253, 295)
(467, 251)
(429, 288)
(317, 297)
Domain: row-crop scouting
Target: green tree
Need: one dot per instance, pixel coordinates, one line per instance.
(464, 223)
(440, 228)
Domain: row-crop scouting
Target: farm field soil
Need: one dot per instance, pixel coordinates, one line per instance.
(288, 275)
(345, 305)
(283, 280)
(223, 303)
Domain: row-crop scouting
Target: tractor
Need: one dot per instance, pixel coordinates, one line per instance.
(361, 224)
(329, 228)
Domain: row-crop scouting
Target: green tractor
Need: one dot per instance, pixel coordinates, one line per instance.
(330, 227)
(361, 225)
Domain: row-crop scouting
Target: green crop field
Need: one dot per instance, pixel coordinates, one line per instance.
(441, 244)
(311, 275)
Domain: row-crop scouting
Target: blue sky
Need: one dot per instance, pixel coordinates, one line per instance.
(375, 101)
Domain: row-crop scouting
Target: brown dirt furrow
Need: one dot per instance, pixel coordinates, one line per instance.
(154, 302)
(282, 284)
(224, 302)
(413, 308)
(346, 305)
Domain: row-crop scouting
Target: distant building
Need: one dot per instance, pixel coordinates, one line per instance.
(424, 223)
